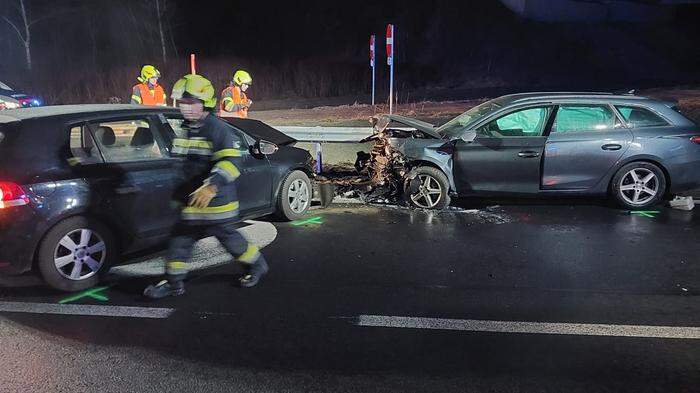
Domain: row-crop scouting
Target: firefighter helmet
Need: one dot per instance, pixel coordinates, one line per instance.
(242, 77)
(148, 72)
(195, 86)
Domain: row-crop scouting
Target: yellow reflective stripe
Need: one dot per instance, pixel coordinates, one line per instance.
(227, 99)
(180, 142)
(136, 98)
(225, 153)
(212, 209)
(73, 161)
(250, 255)
(177, 265)
(229, 168)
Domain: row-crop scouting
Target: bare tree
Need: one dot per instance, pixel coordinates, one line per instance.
(159, 15)
(23, 29)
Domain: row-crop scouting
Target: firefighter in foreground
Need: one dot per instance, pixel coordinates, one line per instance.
(148, 91)
(234, 101)
(210, 205)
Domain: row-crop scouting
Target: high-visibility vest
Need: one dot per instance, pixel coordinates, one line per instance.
(151, 97)
(234, 95)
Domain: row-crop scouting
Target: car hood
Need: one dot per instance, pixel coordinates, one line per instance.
(381, 122)
(261, 131)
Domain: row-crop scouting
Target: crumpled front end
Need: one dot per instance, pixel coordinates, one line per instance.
(380, 175)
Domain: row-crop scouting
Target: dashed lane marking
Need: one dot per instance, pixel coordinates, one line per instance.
(86, 309)
(553, 328)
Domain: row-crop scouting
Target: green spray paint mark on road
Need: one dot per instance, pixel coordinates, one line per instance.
(91, 293)
(312, 220)
(646, 213)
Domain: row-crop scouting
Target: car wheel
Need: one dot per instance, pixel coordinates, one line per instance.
(74, 253)
(639, 185)
(427, 188)
(295, 196)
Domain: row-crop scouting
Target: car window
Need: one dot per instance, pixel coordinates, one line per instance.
(573, 118)
(174, 126)
(640, 117)
(82, 147)
(521, 123)
(127, 140)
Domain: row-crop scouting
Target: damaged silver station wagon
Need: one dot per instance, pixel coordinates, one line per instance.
(636, 150)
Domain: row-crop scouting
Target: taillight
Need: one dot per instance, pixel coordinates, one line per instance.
(695, 139)
(11, 194)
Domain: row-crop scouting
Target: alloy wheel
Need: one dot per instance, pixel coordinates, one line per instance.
(80, 254)
(429, 192)
(639, 186)
(299, 196)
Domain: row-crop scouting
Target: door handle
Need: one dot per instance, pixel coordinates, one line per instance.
(528, 154)
(611, 146)
(127, 190)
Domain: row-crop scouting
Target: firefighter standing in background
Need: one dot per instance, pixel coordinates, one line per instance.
(208, 194)
(234, 102)
(148, 92)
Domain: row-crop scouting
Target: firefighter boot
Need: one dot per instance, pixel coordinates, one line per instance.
(165, 288)
(253, 273)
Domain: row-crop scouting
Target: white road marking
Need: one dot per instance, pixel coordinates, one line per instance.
(577, 329)
(86, 309)
(207, 253)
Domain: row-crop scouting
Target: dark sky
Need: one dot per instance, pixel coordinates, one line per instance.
(318, 48)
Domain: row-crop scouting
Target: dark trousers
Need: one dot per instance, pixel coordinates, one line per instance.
(185, 236)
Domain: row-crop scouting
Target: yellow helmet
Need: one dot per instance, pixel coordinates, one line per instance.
(195, 86)
(148, 72)
(242, 77)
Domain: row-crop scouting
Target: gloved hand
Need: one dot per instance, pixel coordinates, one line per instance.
(249, 103)
(203, 196)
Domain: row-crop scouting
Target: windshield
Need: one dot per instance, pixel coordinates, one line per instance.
(4, 86)
(455, 126)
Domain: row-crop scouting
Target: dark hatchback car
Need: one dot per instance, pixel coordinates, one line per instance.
(81, 186)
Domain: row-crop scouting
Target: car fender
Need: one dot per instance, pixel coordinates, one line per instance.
(431, 152)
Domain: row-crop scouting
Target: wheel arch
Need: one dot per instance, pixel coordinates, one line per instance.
(109, 224)
(648, 159)
(422, 162)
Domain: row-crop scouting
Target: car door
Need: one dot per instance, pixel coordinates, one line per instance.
(505, 156)
(254, 186)
(585, 142)
(136, 182)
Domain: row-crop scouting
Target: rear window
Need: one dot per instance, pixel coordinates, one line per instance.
(640, 117)
(575, 118)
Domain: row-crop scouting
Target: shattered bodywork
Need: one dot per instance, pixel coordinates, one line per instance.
(385, 172)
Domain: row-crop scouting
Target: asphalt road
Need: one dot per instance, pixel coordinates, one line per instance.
(567, 296)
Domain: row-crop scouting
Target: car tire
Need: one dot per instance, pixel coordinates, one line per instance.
(431, 195)
(638, 185)
(74, 253)
(291, 207)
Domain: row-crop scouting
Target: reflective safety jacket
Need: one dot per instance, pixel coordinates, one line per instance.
(234, 103)
(212, 153)
(143, 94)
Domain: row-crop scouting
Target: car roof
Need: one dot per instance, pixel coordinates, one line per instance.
(524, 98)
(61, 110)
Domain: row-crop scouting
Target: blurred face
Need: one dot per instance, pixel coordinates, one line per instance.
(192, 110)
(244, 87)
(153, 81)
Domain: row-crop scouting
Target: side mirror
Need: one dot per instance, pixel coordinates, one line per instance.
(469, 136)
(265, 148)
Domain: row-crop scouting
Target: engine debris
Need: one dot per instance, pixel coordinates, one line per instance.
(377, 176)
